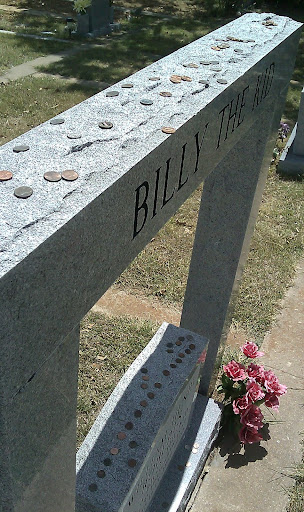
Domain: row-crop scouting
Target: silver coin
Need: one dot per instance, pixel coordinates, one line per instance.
(74, 136)
(217, 70)
(127, 86)
(105, 125)
(238, 50)
(21, 148)
(214, 62)
(222, 81)
(154, 78)
(111, 94)
(205, 62)
(146, 102)
(203, 82)
(58, 120)
(23, 192)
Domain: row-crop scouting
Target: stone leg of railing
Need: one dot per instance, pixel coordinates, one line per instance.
(38, 431)
(229, 205)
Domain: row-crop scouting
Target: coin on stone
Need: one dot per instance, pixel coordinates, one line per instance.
(145, 377)
(203, 82)
(133, 444)
(129, 425)
(121, 435)
(165, 94)
(69, 175)
(111, 94)
(5, 175)
(196, 445)
(52, 176)
(217, 48)
(205, 62)
(157, 385)
(146, 102)
(188, 464)
(238, 50)
(190, 65)
(23, 192)
(216, 69)
(173, 365)
(176, 79)
(93, 487)
(224, 45)
(58, 120)
(168, 129)
(143, 403)
(132, 463)
(107, 462)
(114, 451)
(222, 81)
(144, 370)
(74, 136)
(178, 343)
(137, 413)
(101, 473)
(144, 386)
(166, 373)
(105, 124)
(192, 346)
(21, 148)
(154, 78)
(150, 395)
(127, 86)
(178, 360)
(194, 450)
(181, 354)
(214, 62)
(186, 78)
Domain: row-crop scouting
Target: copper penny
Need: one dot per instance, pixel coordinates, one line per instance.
(23, 192)
(190, 65)
(165, 94)
(186, 78)
(166, 373)
(144, 386)
(129, 425)
(150, 395)
(168, 129)
(137, 413)
(173, 365)
(5, 175)
(114, 451)
(145, 377)
(52, 176)
(192, 346)
(188, 351)
(143, 403)
(189, 337)
(157, 385)
(132, 463)
(175, 79)
(181, 355)
(216, 48)
(121, 435)
(178, 343)
(181, 338)
(178, 360)
(170, 350)
(69, 175)
(101, 473)
(144, 370)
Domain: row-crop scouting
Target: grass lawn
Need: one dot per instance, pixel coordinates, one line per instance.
(16, 50)
(29, 24)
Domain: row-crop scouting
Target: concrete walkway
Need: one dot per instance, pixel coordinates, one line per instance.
(256, 479)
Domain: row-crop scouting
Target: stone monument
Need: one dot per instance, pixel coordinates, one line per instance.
(97, 19)
(81, 196)
(292, 158)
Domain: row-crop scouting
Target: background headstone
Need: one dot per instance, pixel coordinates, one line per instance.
(292, 157)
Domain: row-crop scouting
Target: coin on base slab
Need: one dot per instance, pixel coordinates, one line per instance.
(52, 176)
(175, 79)
(186, 78)
(106, 125)
(111, 94)
(146, 102)
(21, 148)
(165, 94)
(23, 192)
(69, 175)
(168, 129)
(127, 86)
(5, 175)
(58, 120)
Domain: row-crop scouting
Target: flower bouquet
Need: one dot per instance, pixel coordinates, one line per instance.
(245, 390)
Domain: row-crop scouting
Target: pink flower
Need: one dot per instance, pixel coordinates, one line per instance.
(272, 401)
(255, 371)
(254, 391)
(235, 371)
(272, 384)
(249, 435)
(252, 417)
(240, 404)
(251, 350)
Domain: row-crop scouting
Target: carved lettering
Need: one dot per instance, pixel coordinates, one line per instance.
(138, 207)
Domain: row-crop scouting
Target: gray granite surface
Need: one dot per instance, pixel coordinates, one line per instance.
(157, 430)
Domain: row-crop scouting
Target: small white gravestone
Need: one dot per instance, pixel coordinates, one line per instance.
(292, 158)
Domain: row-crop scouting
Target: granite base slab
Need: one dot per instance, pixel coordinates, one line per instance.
(186, 466)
